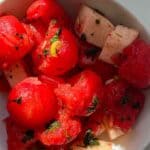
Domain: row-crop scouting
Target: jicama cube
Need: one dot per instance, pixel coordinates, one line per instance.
(15, 73)
(92, 26)
(116, 41)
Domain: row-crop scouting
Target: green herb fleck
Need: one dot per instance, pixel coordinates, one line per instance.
(29, 135)
(54, 39)
(136, 105)
(19, 35)
(53, 126)
(124, 100)
(92, 52)
(56, 36)
(18, 100)
(90, 139)
(97, 21)
(93, 107)
(45, 52)
(83, 37)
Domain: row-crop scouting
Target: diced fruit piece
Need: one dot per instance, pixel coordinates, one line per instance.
(57, 54)
(135, 69)
(19, 138)
(31, 103)
(61, 131)
(14, 41)
(92, 27)
(116, 41)
(123, 106)
(103, 145)
(36, 31)
(95, 123)
(83, 96)
(47, 10)
(15, 73)
(115, 133)
(51, 81)
(113, 93)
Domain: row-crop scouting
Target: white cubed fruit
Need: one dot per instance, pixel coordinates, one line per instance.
(114, 133)
(92, 26)
(15, 73)
(103, 145)
(100, 129)
(116, 41)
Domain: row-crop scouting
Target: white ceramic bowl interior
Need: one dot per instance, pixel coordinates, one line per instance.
(140, 135)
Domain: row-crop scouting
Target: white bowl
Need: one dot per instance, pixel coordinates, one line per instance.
(139, 138)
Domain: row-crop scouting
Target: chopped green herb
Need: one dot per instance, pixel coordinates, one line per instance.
(92, 52)
(58, 33)
(124, 100)
(83, 37)
(93, 107)
(18, 100)
(45, 52)
(97, 21)
(90, 139)
(136, 105)
(29, 135)
(53, 126)
(19, 35)
(56, 36)
(54, 39)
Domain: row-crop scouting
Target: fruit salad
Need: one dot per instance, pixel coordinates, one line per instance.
(70, 81)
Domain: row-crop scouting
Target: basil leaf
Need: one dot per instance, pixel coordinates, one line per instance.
(53, 126)
(45, 52)
(18, 100)
(56, 36)
(90, 139)
(94, 105)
